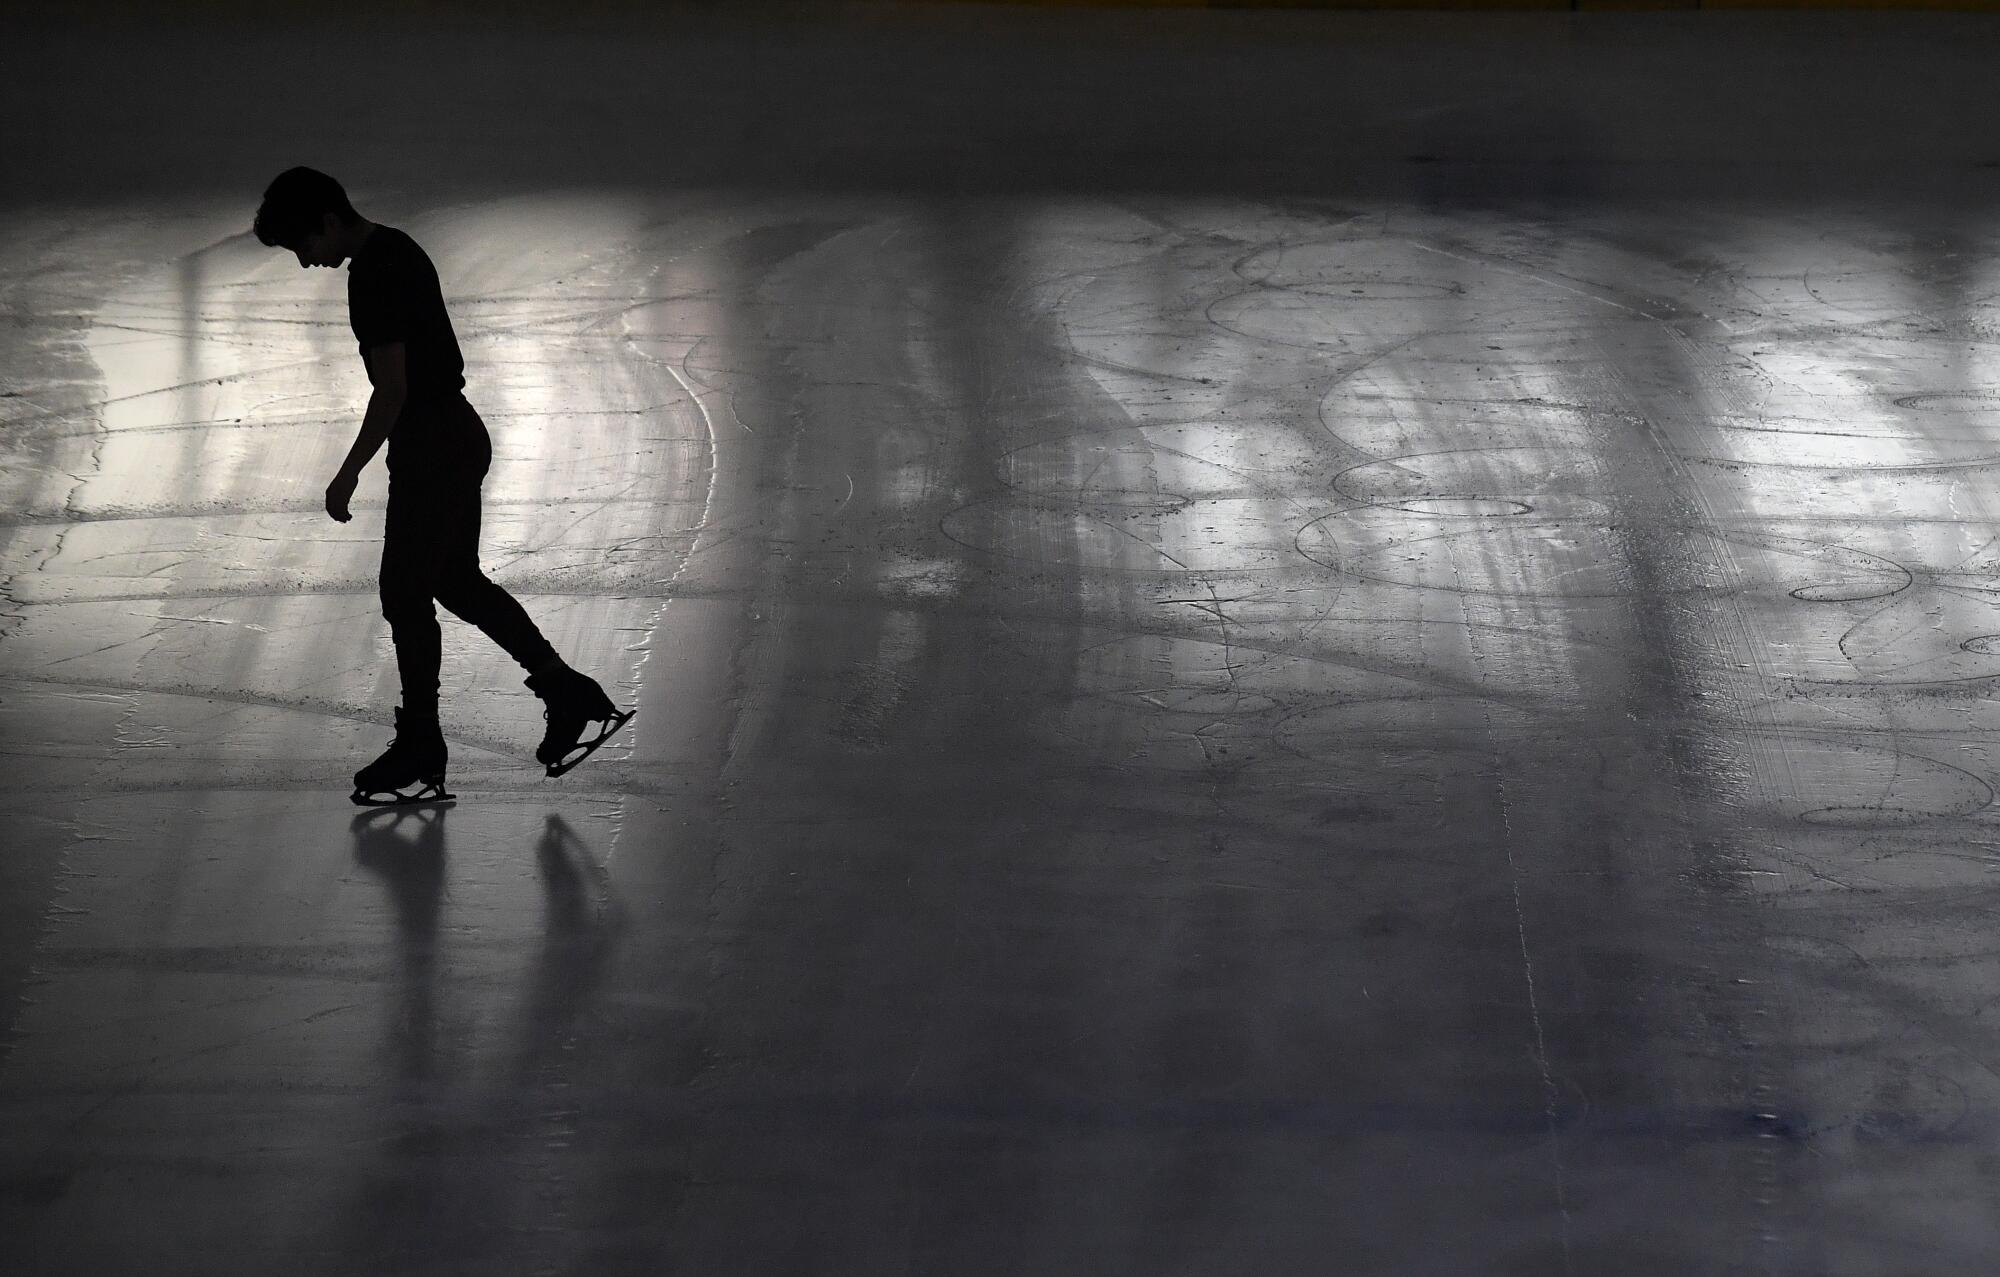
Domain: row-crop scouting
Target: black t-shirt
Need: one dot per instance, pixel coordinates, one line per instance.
(393, 296)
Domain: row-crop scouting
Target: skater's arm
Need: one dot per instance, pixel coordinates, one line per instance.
(386, 370)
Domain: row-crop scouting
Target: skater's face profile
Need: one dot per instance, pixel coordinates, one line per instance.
(322, 247)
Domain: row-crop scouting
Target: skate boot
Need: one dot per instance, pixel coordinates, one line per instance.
(412, 769)
(572, 702)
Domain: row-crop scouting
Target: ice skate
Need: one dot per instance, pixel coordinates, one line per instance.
(411, 770)
(572, 702)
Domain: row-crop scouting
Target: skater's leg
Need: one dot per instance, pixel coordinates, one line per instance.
(473, 597)
(411, 564)
(573, 701)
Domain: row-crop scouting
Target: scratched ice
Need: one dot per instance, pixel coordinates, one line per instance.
(1385, 654)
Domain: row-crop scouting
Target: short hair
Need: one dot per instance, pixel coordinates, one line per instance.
(296, 204)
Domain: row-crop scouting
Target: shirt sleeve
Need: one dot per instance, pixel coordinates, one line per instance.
(380, 307)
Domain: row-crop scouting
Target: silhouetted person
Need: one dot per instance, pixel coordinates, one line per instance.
(438, 455)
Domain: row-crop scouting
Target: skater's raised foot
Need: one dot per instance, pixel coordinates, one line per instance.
(572, 703)
(583, 749)
(411, 770)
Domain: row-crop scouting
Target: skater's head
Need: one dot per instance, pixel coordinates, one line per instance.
(305, 212)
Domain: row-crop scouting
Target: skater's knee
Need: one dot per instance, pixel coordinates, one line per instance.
(401, 602)
(465, 594)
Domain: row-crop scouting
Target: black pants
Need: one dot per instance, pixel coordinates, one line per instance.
(430, 551)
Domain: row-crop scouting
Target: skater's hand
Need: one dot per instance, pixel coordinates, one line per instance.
(337, 495)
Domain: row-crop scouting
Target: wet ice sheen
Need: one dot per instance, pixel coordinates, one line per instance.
(1183, 731)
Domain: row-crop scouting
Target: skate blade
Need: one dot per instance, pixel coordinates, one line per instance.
(584, 749)
(430, 793)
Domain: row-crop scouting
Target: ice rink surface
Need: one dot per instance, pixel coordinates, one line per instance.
(1271, 644)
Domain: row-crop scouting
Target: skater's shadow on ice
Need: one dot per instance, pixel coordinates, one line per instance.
(580, 930)
(578, 888)
(457, 1103)
(405, 848)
